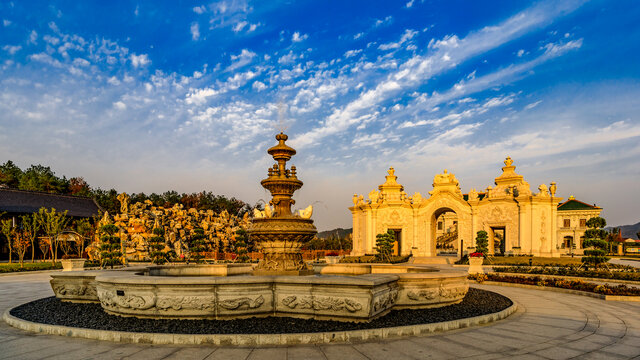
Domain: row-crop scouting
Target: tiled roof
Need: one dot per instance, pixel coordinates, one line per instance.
(573, 204)
(21, 202)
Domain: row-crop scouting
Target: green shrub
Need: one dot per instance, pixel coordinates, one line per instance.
(482, 242)
(197, 245)
(156, 247)
(384, 246)
(110, 247)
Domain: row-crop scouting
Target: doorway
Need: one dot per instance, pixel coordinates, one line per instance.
(396, 245)
(499, 240)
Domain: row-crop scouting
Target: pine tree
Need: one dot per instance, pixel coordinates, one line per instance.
(197, 245)
(110, 246)
(156, 247)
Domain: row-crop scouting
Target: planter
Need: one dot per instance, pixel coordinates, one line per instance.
(516, 250)
(73, 264)
(332, 259)
(475, 265)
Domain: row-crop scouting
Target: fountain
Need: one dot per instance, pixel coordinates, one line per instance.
(280, 233)
(275, 287)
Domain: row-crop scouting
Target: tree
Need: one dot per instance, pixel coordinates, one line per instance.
(197, 245)
(85, 230)
(156, 246)
(6, 226)
(10, 174)
(20, 244)
(42, 178)
(52, 223)
(594, 239)
(110, 253)
(31, 225)
(79, 187)
(482, 242)
(384, 245)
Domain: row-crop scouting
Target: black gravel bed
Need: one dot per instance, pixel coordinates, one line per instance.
(55, 312)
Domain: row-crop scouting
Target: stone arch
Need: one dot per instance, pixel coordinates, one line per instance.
(437, 204)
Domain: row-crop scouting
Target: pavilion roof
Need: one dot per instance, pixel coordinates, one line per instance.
(23, 202)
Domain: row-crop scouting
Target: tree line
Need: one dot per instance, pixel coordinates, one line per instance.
(42, 178)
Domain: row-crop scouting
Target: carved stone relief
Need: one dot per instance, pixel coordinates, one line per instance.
(242, 303)
(321, 303)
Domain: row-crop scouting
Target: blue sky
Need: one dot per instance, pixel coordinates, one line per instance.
(150, 96)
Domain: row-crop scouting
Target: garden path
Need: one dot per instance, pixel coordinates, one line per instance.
(548, 325)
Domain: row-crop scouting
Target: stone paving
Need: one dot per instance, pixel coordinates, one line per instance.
(548, 325)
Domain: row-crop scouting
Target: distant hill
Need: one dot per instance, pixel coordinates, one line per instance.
(628, 231)
(339, 232)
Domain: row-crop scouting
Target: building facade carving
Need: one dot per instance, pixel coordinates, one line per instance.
(518, 220)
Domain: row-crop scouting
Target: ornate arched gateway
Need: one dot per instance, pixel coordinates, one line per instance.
(517, 220)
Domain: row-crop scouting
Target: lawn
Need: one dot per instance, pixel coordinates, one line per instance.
(537, 261)
(28, 266)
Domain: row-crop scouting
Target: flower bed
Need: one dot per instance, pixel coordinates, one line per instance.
(619, 290)
(626, 273)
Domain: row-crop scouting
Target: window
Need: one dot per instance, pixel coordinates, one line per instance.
(583, 222)
(567, 222)
(439, 225)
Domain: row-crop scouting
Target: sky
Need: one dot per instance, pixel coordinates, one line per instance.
(158, 95)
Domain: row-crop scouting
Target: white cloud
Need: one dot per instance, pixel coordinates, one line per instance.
(409, 4)
(520, 52)
(244, 58)
(555, 49)
(6, 22)
(11, 49)
(81, 62)
(33, 37)
(358, 36)
(352, 53)
(386, 21)
(195, 31)
(532, 105)
(239, 26)
(445, 54)
(120, 105)
(408, 35)
(200, 96)
(258, 86)
(139, 60)
(296, 37)
(199, 9)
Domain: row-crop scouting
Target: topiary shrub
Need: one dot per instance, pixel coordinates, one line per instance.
(110, 246)
(384, 246)
(241, 245)
(197, 245)
(594, 239)
(157, 247)
(482, 242)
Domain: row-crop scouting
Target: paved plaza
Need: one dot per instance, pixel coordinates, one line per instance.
(548, 325)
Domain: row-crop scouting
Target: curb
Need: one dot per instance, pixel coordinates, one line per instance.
(615, 281)
(257, 339)
(565, 291)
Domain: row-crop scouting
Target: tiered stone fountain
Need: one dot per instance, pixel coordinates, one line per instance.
(280, 233)
(345, 292)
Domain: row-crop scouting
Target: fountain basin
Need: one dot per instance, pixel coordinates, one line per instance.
(353, 292)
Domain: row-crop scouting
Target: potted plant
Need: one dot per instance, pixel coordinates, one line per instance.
(332, 257)
(72, 263)
(475, 263)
